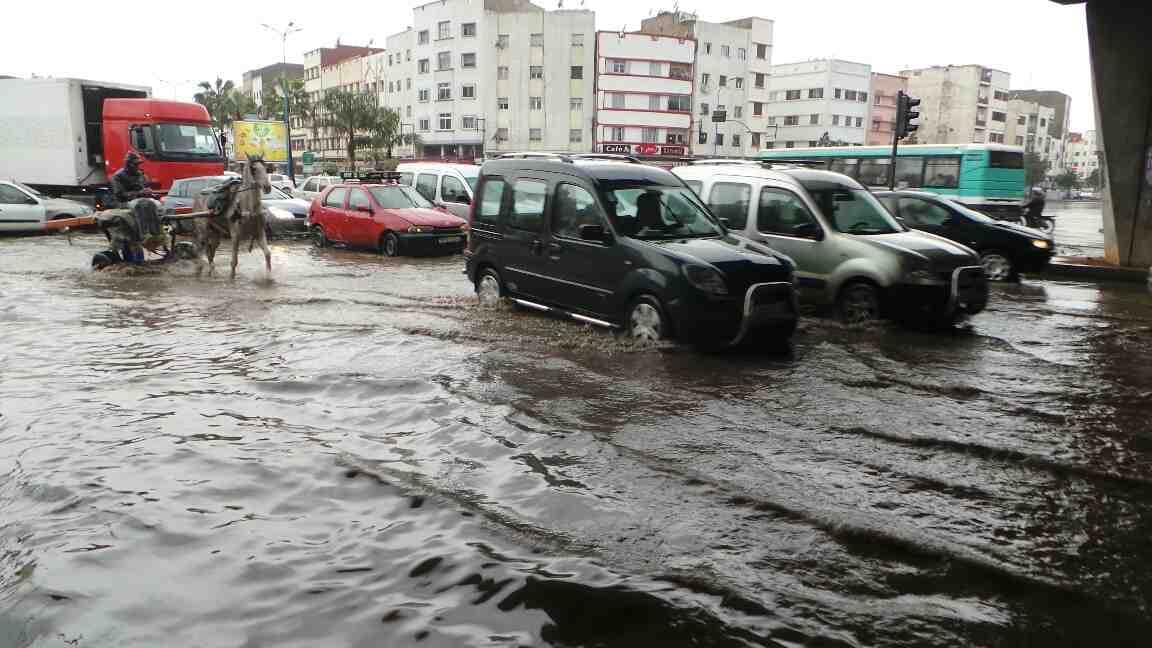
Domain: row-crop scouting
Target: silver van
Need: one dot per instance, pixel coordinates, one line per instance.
(849, 251)
(448, 186)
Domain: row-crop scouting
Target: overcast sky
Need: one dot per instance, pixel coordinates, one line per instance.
(171, 46)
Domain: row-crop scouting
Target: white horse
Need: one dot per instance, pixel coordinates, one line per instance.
(247, 217)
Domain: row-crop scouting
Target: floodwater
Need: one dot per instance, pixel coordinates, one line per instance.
(352, 454)
(1079, 227)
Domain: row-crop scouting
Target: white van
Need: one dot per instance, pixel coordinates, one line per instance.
(445, 185)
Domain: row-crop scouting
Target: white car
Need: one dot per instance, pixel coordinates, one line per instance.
(23, 209)
(448, 186)
(314, 185)
(282, 182)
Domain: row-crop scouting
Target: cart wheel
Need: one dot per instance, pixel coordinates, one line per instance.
(102, 260)
(184, 251)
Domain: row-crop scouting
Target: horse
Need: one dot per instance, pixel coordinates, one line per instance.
(207, 232)
(235, 208)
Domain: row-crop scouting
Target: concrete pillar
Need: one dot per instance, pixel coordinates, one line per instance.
(1118, 35)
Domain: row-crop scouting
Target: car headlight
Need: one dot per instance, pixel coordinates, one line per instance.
(1042, 244)
(705, 279)
(280, 214)
(418, 229)
(921, 277)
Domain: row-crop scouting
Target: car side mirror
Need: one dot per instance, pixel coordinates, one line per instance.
(593, 233)
(808, 231)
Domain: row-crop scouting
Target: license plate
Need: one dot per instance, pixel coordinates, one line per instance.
(444, 240)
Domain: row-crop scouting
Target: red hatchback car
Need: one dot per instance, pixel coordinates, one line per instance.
(392, 218)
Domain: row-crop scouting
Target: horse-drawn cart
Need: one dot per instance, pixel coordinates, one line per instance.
(138, 235)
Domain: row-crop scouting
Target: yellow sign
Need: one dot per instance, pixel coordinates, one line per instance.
(267, 139)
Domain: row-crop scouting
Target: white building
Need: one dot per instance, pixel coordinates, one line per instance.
(732, 65)
(1029, 125)
(819, 102)
(1083, 153)
(960, 104)
(644, 94)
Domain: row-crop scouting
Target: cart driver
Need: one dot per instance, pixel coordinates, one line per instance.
(136, 225)
(130, 183)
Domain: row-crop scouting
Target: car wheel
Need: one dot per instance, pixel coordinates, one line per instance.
(997, 266)
(390, 244)
(318, 237)
(859, 303)
(646, 320)
(489, 288)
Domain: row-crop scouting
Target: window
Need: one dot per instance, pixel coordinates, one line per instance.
(835, 120)
(577, 40)
(617, 100)
(1019, 140)
(781, 212)
(839, 93)
(468, 30)
(1042, 122)
(576, 135)
(725, 51)
(996, 138)
(452, 190)
(723, 82)
(619, 67)
(468, 122)
(335, 198)
(443, 92)
(759, 80)
(707, 48)
(910, 171)
(704, 109)
(922, 212)
(654, 102)
(943, 172)
(408, 55)
(792, 120)
(814, 119)
(813, 143)
(468, 60)
(772, 120)
(576, 104)
(738, 112)
(654, 68)
(536, 72)
(859, 122)
(999, 95)
(502, 103)
(535, 103)
(358, 199)
(574, 207)
(422, 66)
(502, 41)
(735, 140)
(741, 53)
(739, 82)
(730, 201)
(999, 116)
(502, 73)
(425, 124)
(423, 94)
(389, 86)
(847, 166)
(874, 172)
(761, 51)
(755, 140)
(863, 97)
(528, 204)
(536, 40)
(705, 79)
(577, 72)
(535, 134)
(443, 30)
(389, 60)
(422, 38)
(426, 185)
(1021, 120)
(757, 109)
(490, 198)
(850, 95)
(649, 135)
(676, 137)
(678, 71)
(408, 84)
(468, 91)
(816, 93)
(618, 133)
(444, 61)
(445, 121)
(719, 139)
(791, 95)
(501, 134)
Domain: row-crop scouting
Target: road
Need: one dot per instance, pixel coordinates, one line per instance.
(1079, 227)
(351, 453)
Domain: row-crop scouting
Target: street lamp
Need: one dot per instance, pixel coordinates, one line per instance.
(290, 29)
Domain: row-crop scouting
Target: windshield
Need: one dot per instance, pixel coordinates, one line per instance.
(276, 193)
(852, 210)
(471, 176)
(399, 197)
(968, 211)
(659, 212)
(187, 140)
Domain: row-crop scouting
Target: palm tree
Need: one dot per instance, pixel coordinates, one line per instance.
(217, 99)
(348, 115)
(385, 129)
(241, 104)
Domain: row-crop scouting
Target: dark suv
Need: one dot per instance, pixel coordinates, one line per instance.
(627, 246)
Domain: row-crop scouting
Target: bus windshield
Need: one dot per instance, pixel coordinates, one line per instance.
(851, 210)
(187, 140)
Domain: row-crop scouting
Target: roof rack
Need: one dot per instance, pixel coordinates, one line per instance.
(370, 177)
(729, 161)
(611, 157)
(527, 155)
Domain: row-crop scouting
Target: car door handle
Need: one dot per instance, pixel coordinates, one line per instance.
(536, 247)
(554, 250)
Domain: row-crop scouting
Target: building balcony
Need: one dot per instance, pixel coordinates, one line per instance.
(981, 123)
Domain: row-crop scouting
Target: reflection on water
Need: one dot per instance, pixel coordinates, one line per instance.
(351, 454)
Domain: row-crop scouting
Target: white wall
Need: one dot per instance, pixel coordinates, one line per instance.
(836, 117)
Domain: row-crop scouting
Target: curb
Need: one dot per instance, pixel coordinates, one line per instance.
(1104, 273)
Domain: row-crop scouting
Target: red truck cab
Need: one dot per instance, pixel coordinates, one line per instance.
(174, 138)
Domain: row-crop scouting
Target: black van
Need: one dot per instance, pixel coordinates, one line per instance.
(623, 245)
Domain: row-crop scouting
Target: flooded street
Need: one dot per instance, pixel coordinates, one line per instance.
(353, 454)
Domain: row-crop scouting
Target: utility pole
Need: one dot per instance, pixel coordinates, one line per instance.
(290, 29)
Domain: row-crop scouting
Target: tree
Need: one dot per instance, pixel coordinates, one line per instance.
(1093, 180)
(272, 104)
(1035, 169)
(217, 100)
(1068, 181)
(385, 130)
(242, 105)
(348, 115)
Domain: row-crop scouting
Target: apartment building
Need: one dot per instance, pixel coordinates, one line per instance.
(253, 82)
(960, 104)
(644, 90)
(732, 65)
(882, 124)
(1084, 153)
(1030, 126)
(820, 102)
(328, 68)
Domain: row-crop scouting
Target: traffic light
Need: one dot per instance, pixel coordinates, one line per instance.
(905, 114)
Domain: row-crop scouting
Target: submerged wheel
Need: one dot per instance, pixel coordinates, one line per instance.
(104, 259)
(997, 267)
(318, 237)
(390, 245)
(489, 288)
(859, 303)
(646, 320)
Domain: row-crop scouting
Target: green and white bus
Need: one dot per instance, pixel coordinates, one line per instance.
(985, 177)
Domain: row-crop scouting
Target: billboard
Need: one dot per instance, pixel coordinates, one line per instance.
(268, 139)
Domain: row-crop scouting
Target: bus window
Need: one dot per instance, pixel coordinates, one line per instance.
(910, 171)
(942, 172)
(874, 172)
(1006, 159)
(847, 166)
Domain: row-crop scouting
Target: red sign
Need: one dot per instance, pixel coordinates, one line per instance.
(671, 150)
(647, 149)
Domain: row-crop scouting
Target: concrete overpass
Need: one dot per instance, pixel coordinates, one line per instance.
(1118, 38)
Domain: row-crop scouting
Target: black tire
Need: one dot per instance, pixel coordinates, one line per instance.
(104, 259)
(645, 320)
(390, 244)
(184, 251)
(319, 239)
(858, 303)
(998, 266)
(490, 291)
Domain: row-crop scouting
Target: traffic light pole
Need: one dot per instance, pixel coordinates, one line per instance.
(892, 163)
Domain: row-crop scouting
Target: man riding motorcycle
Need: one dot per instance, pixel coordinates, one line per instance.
(136, 225)
(1034, 209)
